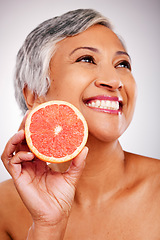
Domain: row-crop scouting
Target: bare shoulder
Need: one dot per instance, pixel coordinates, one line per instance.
(140, 159)
(7, 188)
(144, 167)
(8, 196)
(13, 213)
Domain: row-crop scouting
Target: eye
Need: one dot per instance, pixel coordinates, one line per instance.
(124, 64)
(87, 59)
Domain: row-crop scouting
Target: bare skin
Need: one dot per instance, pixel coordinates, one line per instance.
(129, 212)
(115, 194)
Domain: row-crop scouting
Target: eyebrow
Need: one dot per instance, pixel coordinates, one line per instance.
(97, 51)
(88, 48)
(123, 53)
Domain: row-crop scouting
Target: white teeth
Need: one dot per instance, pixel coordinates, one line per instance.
(115, 104)
(97, 103)
(105, 104)
(109, 104)
(93, 104)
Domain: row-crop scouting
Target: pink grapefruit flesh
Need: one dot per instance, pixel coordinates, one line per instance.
(56, 131)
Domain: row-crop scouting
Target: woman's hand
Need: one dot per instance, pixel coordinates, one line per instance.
(47, 194)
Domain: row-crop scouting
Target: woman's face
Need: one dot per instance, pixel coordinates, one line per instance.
(92, 71)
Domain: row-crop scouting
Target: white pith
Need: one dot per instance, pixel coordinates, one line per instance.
(57, 130)
(105, 104)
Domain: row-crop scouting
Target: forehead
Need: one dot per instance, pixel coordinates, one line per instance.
(97, 35)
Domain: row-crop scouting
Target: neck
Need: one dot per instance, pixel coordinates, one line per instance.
(103, 173)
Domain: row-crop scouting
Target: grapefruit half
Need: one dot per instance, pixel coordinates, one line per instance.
(56, 131)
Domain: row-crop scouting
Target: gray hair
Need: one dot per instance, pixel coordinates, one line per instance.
(33, 58)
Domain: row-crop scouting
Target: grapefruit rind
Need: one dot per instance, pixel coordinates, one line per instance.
(53, 159)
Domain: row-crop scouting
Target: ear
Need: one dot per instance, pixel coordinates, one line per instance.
(31, 98)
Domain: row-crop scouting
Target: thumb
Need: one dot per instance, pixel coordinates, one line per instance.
(22, 126)
(75, 170)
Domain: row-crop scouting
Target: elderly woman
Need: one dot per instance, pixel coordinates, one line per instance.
(105, 194)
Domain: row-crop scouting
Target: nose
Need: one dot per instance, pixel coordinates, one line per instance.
(110, 82)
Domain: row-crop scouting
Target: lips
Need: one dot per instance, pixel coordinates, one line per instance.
(105, 104)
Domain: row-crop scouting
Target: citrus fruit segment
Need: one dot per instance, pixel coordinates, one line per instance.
(56, 131)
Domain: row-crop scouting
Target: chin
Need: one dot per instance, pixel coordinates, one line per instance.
(107, 135)
(109, 130)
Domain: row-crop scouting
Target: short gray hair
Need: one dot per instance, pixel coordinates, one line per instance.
(33, 58)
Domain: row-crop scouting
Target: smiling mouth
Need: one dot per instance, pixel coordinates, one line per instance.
(105, 104)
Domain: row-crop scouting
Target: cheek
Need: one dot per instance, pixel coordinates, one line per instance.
(70, 80)
(132, 88)
(67, 87)
(131, 99)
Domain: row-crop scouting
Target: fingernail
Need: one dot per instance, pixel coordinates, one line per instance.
(30, 153)
(86, 149)
(21, 131)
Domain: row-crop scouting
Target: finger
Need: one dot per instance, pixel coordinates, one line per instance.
(80, 159)
(22, 126)
(76, 168)
(11, 146)
(15, 164)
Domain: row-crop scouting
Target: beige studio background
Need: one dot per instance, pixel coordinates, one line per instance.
(136, 21)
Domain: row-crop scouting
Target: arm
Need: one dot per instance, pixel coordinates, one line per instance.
(3, 232)
(48, 195)
(4, 235)
(47, 232)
